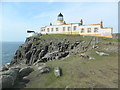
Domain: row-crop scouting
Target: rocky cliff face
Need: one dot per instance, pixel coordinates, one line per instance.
(37, 49)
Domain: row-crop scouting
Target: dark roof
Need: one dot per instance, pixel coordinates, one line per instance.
(60, 15)
(28, 31)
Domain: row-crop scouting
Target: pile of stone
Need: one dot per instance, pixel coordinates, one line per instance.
(12, 75)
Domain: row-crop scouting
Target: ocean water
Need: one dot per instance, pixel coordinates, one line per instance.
(8, 50)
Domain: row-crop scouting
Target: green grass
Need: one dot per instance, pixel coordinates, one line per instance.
(60, 37)
(79, 72)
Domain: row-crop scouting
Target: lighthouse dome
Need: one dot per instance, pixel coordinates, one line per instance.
(60, 15)
(60, 19)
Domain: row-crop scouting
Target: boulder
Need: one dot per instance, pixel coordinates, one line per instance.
(43, 68)
(12, 72)
(102, 53)
(3, 68)
(57, 71)
(95, 47)
(7, 81)
(25, 71)
(83, 55)
(63, 54)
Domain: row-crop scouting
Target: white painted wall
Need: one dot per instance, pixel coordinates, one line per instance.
(102, 31)
(60, 28)
(92, 29)
(106, 32)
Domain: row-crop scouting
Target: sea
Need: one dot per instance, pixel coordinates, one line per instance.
(8, 50)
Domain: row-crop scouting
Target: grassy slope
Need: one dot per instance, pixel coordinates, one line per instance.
(79, 72)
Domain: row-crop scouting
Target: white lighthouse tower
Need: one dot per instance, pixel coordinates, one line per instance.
(60, 19)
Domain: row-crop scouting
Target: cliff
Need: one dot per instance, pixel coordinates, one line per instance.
(43, 49)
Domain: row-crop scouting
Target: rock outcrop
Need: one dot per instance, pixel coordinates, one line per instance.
(25, 71)
(36, 49)
(9, 77)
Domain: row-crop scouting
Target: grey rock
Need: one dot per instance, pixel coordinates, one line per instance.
(7, 81)
(36, 49)
(28, 55)
(25, 71)
(3, 68)
(27, 47)
(18, 54)
(76, 43)
(43, 69)
(72, 46)
(63, 54)
(39, 64)
(57, 71)
(102, 53)
(83, 55)
(95, 46)
(12, 72)
(54, 55)
(42, 53)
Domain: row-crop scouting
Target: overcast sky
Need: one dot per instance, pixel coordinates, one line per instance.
(18, 17)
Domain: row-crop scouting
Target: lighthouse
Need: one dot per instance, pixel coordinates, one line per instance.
(60, 19)
(61, 27)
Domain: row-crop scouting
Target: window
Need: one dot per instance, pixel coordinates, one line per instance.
(51, 29)
(41, 30)
(89, 30)
(74, 28)
(82, 30)
(44, 29)
(56, 29)
(48, 29)
(95, 29)
(68, 28)
(63, 28)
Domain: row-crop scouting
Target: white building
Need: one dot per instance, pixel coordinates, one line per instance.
(77, 28)
(32, 33)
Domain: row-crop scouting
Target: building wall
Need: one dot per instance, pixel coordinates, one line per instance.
(106, 32)
(92, 29)
(75, 28)
(67, 28)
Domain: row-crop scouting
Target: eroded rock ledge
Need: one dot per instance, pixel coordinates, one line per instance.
(36, 49)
